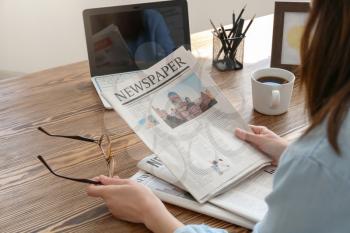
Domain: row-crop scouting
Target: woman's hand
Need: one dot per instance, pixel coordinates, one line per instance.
(130, 201)
(265, 140)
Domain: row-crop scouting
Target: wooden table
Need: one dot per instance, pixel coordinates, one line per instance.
(64, 101)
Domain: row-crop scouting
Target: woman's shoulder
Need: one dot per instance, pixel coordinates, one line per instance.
(315, 146)
(344, 136)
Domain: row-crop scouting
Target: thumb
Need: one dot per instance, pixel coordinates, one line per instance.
(248, 137)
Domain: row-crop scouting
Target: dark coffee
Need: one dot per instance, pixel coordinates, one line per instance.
(272, 80)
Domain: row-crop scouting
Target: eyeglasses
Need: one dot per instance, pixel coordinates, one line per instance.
(104, 144)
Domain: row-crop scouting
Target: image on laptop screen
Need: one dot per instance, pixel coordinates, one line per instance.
(135, 39)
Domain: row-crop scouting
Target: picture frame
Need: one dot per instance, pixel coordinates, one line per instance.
(289, 23)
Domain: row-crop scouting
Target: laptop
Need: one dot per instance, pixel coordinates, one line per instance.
(124, 40)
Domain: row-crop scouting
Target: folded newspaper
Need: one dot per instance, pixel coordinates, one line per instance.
(173, 195)
(243, 205)
(184, 118)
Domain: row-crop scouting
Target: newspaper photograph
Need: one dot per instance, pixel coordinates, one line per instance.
(182, 116)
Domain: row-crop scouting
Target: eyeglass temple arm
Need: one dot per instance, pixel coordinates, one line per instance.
(86, 181)
(80, 138)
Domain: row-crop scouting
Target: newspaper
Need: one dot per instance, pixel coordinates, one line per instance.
(173, 195)
(247, 199)
(183, 117)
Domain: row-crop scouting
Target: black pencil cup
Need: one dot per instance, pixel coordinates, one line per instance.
(225, 60)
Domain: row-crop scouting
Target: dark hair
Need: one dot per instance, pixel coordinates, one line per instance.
(325, 65)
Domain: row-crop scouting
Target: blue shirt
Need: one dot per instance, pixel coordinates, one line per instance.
(311, 191)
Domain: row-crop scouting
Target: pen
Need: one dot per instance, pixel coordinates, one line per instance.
(237, 21)
(233, 22)
(233, 18)
(224, 46)
(223, 31)
(224, 34)
(237, 34)
(241, 36)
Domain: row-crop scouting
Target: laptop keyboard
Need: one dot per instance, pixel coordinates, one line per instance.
(109, 81)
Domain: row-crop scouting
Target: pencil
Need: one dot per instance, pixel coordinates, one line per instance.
(215, 29)
(247, 28)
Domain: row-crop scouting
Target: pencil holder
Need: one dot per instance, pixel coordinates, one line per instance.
(225, 59)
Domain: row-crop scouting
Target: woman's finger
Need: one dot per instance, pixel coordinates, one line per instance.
(95, 190)
(248, 137)
(113, 181)
(102, 191)
(240, 133)
(96, 178)
(257, 129)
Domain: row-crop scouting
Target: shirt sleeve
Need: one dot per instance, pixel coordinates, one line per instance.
(198, 229)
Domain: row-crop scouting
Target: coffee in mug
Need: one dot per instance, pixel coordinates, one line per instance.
(272, 90)
(272, 80)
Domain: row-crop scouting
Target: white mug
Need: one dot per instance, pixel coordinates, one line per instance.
(272, 98)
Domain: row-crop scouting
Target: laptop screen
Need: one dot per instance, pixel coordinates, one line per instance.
(135, 38)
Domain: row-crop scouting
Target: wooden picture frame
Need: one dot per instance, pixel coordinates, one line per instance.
(285, 44)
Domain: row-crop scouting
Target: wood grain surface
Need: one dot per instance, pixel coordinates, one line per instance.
(63, 100)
